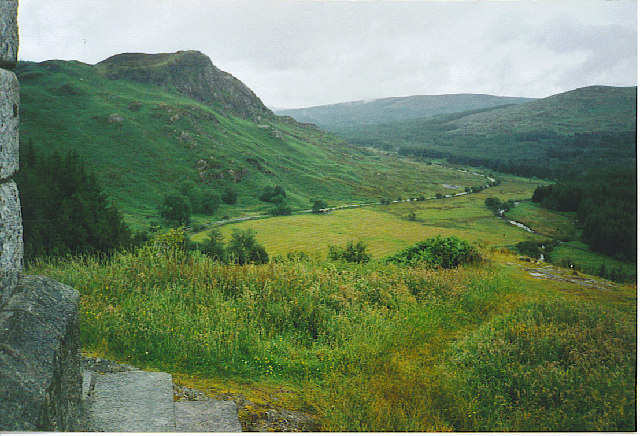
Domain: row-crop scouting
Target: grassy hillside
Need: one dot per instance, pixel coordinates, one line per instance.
(145, 128)
(587, 127)
(335, 117)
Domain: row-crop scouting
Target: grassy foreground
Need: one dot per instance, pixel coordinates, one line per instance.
(372, 347)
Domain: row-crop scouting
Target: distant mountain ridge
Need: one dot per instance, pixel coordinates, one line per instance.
(590, 126)
(383, 110)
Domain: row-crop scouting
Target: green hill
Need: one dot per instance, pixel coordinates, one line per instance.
(147, 123)
(335, 117)
(586, 127)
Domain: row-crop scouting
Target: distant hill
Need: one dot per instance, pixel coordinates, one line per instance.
(586, 127)
(337, 116)
(147, 123)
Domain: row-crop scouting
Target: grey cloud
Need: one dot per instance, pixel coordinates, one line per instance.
(300, 53)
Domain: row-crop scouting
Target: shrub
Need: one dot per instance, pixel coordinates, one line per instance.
(318, 205)
(272, 194)
(354, 253)
(281, 209)
(175, 209)
(214, 246)
(243, 248)
(437, 252)
(229, 196)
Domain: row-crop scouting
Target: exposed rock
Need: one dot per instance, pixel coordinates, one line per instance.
(9, 122)
(207, 416)
(40, 377)
(8, 33)
(11, 246)
(192, 74)
(98, 365)
(115, 118)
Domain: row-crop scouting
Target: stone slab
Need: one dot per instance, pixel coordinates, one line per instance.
(9, 122)
(207, 416)
(133, 401)
(8, 33)
(11, 244)
(40, 376)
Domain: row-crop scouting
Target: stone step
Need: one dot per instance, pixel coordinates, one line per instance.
(132, 401)
(207, 416)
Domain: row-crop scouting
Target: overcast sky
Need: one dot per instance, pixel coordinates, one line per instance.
(306, 53)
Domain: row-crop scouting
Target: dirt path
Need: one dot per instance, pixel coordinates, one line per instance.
(551, 272)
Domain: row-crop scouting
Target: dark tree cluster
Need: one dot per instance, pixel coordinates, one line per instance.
(243, 248)
(189, 198)
(273, 194)
(63, 208)
(277, 196)
(562, 157)
(606, 208)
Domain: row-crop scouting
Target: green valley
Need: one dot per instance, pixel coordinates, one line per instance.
(405, 284)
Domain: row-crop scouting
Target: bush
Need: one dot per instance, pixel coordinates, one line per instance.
(175, 209)
(355, 253)
(214, 246)
(229, 196)
(272, 194)
(437, 252)
(317, 206)
(280, 209)
(243, 248)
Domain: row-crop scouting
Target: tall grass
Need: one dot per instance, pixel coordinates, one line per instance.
(367, 345)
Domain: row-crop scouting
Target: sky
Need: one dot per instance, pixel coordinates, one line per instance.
(305, 53)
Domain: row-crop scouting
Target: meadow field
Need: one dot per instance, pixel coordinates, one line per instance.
(387, 228)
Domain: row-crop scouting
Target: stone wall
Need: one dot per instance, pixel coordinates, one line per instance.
(10, 221)
(40, 376)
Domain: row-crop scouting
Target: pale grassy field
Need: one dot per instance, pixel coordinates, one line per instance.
(386, 228)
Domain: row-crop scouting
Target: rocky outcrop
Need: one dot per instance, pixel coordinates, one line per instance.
(40, 373)
(192, 74)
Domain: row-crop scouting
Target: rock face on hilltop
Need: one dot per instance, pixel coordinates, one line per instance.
(192, 74)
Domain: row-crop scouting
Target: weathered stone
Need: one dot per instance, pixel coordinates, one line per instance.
(11, 246)
(40, 374)
(8, 33)
(9, 122)
(131, 401)
(207, 416)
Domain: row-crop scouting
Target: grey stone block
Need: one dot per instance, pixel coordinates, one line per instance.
(207, 416)
(40, 375)
(8, 33)
(133, 401)
(9, 122)
(11, 245)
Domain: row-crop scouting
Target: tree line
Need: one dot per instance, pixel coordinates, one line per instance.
(63, 208)
(605, 207)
